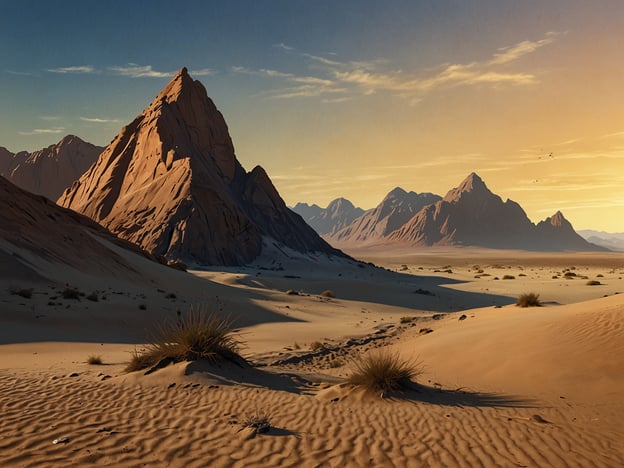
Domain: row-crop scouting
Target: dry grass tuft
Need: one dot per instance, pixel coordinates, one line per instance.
(259, 422)
(383, 371)
(528, 300)
(197, 336)
(94, 360)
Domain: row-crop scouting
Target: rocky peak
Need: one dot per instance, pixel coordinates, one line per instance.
(473, 185)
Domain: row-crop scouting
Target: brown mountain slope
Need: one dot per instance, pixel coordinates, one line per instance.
(49, 171)
(170, 182)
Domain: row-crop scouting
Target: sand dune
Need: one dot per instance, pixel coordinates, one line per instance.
(504, 386)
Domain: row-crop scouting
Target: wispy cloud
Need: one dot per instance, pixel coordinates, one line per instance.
(203, 72)
(18, 73)
(43, 131)
(133, 70)
(352, 78)
(99, 120)
(80, 69)
(513, 53)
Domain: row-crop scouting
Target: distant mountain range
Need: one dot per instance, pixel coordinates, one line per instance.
(469, 215)
(51, 170)
(611, 241)
(338, 214)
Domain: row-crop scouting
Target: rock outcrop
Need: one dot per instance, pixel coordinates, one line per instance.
(49, 171)
(170, 182)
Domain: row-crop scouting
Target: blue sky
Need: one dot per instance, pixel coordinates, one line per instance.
(347, 98)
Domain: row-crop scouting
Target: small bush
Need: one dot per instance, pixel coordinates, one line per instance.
(569, 274)
(197, 336)
(593, 283)
(25, 293)
(509, 277)
(328, 293)
(317, 346)
(384, 371)
(407, 319)
(94, 360)
(259, 422)
(599, 275)
(528, 300)
(71, 293)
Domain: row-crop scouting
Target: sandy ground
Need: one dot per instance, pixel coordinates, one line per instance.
(502, 385)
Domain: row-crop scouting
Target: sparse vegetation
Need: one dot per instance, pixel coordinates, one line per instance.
(509, 277)
(94, 360)
(593, 283)
(198, 335)
(383, 371)
(407, 319)
(317, 346)
(70, 293)
(328, 293)
(528, 300)
(259, 422)
(25, 293)
(569, 274)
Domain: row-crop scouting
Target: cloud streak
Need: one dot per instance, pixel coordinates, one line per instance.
(44, 131)
(347, 79)
(132, 70)
(99, 120)
(81, 69)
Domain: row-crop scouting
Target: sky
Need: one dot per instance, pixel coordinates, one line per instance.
(347, 98)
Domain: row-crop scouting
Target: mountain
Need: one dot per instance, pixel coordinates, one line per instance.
(170, 182)
(394, 211)
(471, 214)
(49, 171)
(338, 214)
(35, 231)
(608, 240)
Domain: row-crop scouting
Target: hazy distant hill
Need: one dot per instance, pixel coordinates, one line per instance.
(469, 215)
(338, 214)
(49, 171)
(394, 211)
(171, 183)
(611, 241)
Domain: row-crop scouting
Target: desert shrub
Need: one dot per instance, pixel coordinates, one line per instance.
(407, 319)
(70, 293)
(599, 275)
(93, 297)
(259, 422)
(335, 363)
(25, 293)
(593, 283)
(569, 274)
(196, 336)
(328, 293)
(94, 360)
(509, 277)
(316, 346)
(528, 300)
(383, 371)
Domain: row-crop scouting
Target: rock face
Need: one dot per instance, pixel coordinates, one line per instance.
(170, 182)
(326, 221)
(397, 208)
(471, 214)
(38, 227)
(49, 171)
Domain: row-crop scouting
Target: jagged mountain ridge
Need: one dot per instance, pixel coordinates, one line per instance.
(396, 209)
(469, 215)
(49, 171)
(338, 214)
(170, 182)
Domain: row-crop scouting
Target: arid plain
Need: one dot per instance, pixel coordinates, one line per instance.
(502, 385)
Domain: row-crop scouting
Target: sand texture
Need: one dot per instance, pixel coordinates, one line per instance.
(502, 385)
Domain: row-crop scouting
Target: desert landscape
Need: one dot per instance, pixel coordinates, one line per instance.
(161, 305)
